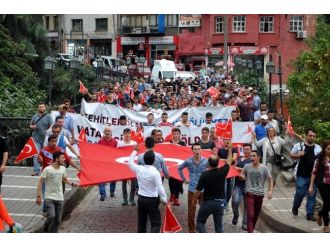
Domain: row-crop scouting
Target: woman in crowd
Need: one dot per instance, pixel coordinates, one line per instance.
(321, 177)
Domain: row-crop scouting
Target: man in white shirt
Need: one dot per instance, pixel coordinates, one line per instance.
(150, 191)
(137, 106)
(53, 176)
(184, 120)
(273, 122)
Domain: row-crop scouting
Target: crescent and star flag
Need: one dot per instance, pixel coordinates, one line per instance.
(170, 223)
(214, 93)
(224, 129)
(101, 164)
(137, 136)
(28, 151)
(82, 88)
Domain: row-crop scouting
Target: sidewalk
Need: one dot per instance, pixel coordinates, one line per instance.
(277, 211)
(19, 190)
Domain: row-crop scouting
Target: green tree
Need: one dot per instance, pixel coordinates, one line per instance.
(18, 83)
(309, 85)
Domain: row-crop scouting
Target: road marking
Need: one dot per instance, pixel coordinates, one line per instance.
(27, 215)
(19, 199)
(282, 198)
(281, 210)
(28, 176)
(25, 187)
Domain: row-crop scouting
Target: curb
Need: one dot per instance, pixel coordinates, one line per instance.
(278, 225)
(71, 201)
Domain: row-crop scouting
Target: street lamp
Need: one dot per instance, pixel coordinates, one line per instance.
(100, 65)
(270, 69)
(243, 61)
(49, 65)
(250, 66)
(238, 62)
(142, 60)
(75, 66)
(258, 64)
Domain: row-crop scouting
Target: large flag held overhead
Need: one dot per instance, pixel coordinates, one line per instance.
(28, 151)
(100, 163)
(170, 223)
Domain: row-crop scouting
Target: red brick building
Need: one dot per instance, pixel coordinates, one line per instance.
(250, 37)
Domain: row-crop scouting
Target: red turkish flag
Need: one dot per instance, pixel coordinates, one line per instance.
(169, 137)
(4, 216)
(28, 151)
(82, 88)
(224, 129)
(137, 136)
(213, 92)
(170, 223)
(290, 128)
(82, 136)
(101, 164)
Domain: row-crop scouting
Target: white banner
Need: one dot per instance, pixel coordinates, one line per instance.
(95, 117)
(109, 114)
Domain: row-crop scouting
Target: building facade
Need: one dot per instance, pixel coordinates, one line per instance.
(83, 35)
(249, 37)
(153, 36)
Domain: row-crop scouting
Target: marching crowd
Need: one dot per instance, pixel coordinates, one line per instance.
(207, 184)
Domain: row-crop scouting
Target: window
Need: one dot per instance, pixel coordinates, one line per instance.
(47, 22)
(219, 24)
(153, 20)
(239, 24)
(266, 24)
(296, 23)
(56, 25)
(171, 20)
(77, 25)
(101, 24)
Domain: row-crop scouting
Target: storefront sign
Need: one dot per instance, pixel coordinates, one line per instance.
(190, 20)
(132, 40)
(246, 50)
(214, 51)
(161, 40)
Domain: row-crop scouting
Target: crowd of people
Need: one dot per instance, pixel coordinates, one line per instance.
(207, 184)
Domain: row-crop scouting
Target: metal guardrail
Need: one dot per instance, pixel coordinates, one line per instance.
(16, 131)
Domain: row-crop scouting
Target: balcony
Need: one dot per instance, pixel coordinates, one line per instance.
(141, 30)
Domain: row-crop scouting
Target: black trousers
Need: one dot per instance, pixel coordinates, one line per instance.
(148, 207)
(324, 190)
(175, 186)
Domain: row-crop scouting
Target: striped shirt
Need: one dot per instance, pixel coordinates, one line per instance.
(326, 178)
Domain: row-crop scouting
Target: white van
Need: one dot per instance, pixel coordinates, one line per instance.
(163, 69)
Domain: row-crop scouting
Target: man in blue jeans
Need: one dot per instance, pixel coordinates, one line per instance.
(238, 192)
(306, 153)
(212, 182)
(112, 142)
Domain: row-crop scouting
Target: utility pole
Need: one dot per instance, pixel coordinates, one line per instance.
(225, 41)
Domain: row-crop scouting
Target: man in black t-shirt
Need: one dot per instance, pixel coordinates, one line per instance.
(3, 157)
(205, 141)
(306, 154)
(212, 182)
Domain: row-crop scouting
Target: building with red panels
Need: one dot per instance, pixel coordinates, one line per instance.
(249, 37)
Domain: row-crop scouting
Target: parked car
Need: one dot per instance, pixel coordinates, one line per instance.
(138, 71)
(63, 59)
(111, 63)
